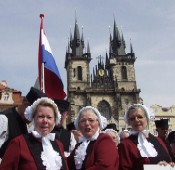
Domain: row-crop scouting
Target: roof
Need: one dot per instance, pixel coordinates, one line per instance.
(3, 86)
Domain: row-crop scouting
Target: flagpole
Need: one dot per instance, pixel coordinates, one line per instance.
(42, 67)
(43, 80)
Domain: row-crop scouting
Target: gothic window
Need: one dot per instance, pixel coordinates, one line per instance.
(124, 72)
(79, 73)
(105, 109)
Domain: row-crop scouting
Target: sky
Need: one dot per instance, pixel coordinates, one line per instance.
(148, 24)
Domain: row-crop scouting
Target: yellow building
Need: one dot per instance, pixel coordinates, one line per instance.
(160, 113)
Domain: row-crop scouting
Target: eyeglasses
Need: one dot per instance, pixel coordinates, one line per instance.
(90, 120)
(139, 117)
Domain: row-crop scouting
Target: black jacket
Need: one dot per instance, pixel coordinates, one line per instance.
(16, 127)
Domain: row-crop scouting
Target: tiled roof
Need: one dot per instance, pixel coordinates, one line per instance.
(2, 87)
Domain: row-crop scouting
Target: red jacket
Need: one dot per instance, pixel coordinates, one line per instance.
(130, 158)
(102, 156)
(19, 157)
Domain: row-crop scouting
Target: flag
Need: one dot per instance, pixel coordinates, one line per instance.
(49, 77)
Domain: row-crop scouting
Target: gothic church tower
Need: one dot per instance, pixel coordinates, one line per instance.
(111, 87)
(78, 72)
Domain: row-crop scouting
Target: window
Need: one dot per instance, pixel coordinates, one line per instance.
(79, 73)
(124, 73)
(105, 109)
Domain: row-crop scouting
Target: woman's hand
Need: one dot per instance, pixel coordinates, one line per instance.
(172, 164)
(164, 163)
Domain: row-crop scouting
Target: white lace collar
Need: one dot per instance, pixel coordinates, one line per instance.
(145, 148)
(51, 159)
(80, 152)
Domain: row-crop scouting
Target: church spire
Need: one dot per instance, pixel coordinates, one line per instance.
(123, 41)
(70, 34)
(77, 43)
(110, 42)
(76, 33)
(131, 48)
(88, 48)
(68, 48)
(82, 38)
(116, 35)
(117, 43)
(122, 46)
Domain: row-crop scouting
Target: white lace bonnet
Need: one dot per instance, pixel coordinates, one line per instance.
(102, 120)
(30, 110)
(148, 112)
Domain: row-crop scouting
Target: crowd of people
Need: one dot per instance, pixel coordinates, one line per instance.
(32, 137)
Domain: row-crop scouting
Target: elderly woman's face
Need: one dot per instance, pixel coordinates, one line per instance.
(44, 120)
(113, 135)
(137, 120)
(88, 123)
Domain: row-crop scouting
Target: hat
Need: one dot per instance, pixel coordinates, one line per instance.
(111, 126)
(102, 120)
(34, 94)
(63, 105)
(30, 110)
(171, 137)
(71, 126)
(162, 123)
(148, 112)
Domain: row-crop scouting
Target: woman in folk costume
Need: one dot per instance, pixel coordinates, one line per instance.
(95, 150)
(114, 136)
(37, 150)
(141, 147)
(111, 130)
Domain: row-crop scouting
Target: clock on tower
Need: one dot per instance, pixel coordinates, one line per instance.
(101, 72)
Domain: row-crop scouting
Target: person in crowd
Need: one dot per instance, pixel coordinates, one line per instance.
(77, 135)
(171, 140)
(66, 137)
(70, 126)
(112, 131)
(38, 149)
(124, 134)
(141, 147)
(114, 135)
(162, 129)
(111, 126)
(94, 149)
(13, 122)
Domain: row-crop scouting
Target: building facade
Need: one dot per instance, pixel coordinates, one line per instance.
(162, 113)
(111, 87)
(8, 96)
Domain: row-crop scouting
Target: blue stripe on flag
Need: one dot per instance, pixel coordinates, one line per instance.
(49, 61)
